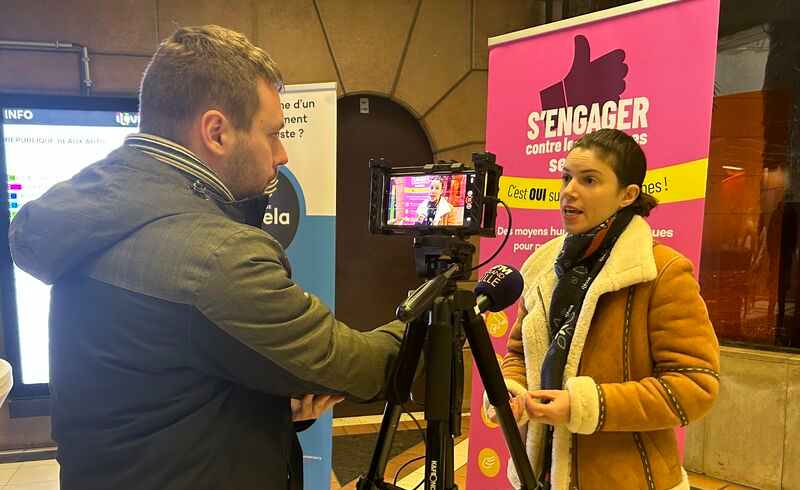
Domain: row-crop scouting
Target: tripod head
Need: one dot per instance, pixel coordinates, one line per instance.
(435, 254)
(441, 261)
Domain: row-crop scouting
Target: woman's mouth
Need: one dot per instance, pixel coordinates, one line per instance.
(570, 213)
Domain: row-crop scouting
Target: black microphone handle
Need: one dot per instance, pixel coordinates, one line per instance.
(421, 299)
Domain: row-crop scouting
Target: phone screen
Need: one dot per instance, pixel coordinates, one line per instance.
(429, 200)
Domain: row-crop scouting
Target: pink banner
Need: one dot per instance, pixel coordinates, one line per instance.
(647, 70)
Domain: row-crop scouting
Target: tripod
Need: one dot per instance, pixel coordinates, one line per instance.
(439, 317)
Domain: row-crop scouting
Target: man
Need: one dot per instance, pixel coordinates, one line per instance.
(436, 211)
(177, 337)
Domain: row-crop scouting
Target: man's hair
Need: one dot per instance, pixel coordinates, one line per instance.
(199, 68)
(624, 155)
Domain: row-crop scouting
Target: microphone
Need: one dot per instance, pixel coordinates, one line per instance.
(498, 288)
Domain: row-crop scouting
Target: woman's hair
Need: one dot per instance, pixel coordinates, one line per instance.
(441, 182)
(626, 158)
(202, 67)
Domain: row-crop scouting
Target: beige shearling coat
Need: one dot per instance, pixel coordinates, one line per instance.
(644, 359)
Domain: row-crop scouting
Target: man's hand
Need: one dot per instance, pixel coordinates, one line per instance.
(517, 405)
(312, 406)
(556, 412)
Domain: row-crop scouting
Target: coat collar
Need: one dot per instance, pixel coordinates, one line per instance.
(631, 262)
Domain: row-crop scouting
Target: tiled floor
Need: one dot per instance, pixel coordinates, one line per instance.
(701, 482)
(29, 475)
(43, 475)
(412, 474)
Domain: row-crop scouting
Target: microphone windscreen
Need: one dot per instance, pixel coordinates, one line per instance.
(502, 284)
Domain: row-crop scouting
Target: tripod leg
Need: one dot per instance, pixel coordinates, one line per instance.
(456, 394)
(486, 362)
(383, 445)
(449, 474)
(438, 367)
(407, 362)
(398, 393)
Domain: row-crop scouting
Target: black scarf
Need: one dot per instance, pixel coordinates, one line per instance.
(577, 265)
(431, 216)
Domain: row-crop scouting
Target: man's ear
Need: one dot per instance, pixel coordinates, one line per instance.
(630, 194)
(215, 132)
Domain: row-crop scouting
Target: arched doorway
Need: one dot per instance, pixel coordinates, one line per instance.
(373, 273)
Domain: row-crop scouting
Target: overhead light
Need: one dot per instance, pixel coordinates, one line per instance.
(739, 174)
(731, 167)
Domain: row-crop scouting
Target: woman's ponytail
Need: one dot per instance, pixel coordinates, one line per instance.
(643, 204)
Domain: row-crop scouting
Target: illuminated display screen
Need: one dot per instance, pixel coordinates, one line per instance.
(43, 147)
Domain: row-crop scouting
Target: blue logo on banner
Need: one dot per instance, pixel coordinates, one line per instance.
(282, 216)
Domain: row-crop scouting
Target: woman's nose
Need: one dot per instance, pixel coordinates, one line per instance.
(569, 189)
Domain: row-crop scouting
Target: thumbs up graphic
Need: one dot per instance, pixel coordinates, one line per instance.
(588, 81)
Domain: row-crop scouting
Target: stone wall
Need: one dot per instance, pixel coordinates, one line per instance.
(751, 435)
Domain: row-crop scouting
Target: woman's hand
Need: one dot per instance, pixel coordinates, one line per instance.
(517, 406)
(312, 406)
(556, 412)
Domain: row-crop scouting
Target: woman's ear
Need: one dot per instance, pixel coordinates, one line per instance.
(629, 195)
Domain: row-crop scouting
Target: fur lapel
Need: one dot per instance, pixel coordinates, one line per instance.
(631, 262)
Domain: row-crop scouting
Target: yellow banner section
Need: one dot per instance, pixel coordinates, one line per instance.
(682, 182)
(525, 193)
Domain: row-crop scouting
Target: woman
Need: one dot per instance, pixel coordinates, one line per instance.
(612, 348)
(435, 211)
